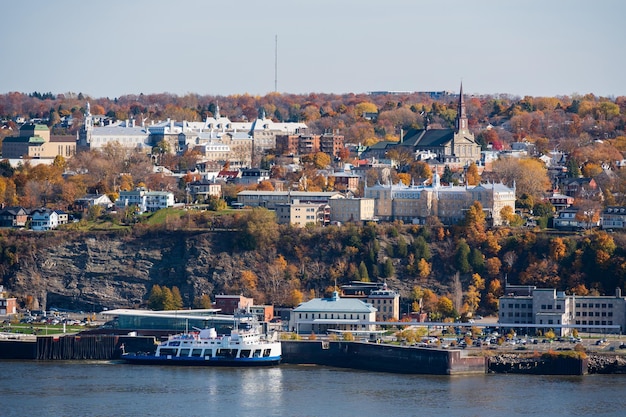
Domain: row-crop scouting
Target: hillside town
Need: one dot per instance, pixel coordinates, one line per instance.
(322, 178)
(429, 176)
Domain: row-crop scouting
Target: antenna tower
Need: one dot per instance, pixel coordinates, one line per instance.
(276, 63)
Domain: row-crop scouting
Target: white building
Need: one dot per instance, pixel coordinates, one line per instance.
(145, 200)
(44, 219)
(320, 315)
(551, 309)
(124, 133)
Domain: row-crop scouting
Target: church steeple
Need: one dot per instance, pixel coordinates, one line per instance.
(461, 116)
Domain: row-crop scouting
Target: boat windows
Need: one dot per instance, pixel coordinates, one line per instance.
(174, 343)
(266, 352)
(208, 353)
(226, 353)
(245, 353)
(257, 353)
(166, 352)
(196, 353)
(184, 353)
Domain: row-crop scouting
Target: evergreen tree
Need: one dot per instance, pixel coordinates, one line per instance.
(401, 248)
(446, 177)
(461, 257)
(388, 269)
(363, 272)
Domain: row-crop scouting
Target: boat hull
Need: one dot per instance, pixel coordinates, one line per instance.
(194, 361)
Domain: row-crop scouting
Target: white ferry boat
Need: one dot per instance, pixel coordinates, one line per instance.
(245, 346)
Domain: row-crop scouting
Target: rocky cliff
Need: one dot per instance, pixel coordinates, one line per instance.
(96, 270)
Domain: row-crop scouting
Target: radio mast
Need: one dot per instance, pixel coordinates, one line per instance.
(276, 63)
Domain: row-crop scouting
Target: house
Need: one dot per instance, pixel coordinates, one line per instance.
(560, 201)
(44, 219)
(320, 315)
(204, 189)
(228, 176)
(13, 217)
(145, 200)
(90, 200)
(580, 187)
(573, 218)
(229, 304)
(63, 216)
(613, 217)
(253, 176)
(552, 309)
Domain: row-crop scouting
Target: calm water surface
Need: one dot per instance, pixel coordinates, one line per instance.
(31, 388)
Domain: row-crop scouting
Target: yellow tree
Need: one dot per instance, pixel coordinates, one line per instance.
(557, 249)
(472, 176)
(423, 268)
(295, 297)
(249, 280)
(494, 292)
(405, 178)
(475, 224)
(321, 160)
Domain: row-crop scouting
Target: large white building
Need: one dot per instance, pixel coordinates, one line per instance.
(552, 309)
(320, 315)
(415, 203)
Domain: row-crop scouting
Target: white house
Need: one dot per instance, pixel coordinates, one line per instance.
(145, 200)
(320, 315)
(44, 219)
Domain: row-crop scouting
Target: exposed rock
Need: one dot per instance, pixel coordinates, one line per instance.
(92, 271)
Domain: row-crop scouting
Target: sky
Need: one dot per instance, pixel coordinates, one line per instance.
(118, 47)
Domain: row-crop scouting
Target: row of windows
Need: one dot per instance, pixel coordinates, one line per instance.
(597, 314)
(549, 306)
(518, 314)
(332, 316)
(523, 306)
(596, 322)
(596, 305)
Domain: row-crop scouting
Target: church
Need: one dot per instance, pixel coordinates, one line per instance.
(451, 146)
(456, 147)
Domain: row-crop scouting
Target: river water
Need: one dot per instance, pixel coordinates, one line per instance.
(86, 388)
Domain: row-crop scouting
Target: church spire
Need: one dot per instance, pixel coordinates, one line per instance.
(461, 116)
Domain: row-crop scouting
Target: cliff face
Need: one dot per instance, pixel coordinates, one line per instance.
(92, 271)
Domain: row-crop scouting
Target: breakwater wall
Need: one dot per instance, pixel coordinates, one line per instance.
(382, 357)
(75, 347)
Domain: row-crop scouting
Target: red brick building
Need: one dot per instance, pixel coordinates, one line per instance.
(231, 303)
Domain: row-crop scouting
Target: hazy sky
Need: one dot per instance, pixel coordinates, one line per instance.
(116, 47)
